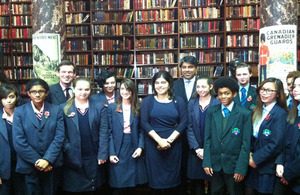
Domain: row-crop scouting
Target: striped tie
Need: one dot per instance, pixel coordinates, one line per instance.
(244, 97)
(290, 104)
(39, 115)
(226, 112)
(67, 93)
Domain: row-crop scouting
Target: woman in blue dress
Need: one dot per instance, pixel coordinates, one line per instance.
(288, 163)
(10, 181)
(86, 143)
(269, 123)
(107, 82)
(163, 118)
(127, 168)
(198, 105)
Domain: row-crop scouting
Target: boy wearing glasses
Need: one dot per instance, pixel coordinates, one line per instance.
(246, 96)
(227, 140)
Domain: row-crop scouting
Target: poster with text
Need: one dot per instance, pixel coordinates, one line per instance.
(46, 56)
(277, 51)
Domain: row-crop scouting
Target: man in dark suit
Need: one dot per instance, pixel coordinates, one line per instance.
(186, 86)
(227, 140)
(246, 96)
(62, 91)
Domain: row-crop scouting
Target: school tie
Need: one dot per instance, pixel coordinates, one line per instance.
(67, 93)
(226, 112)
(290, 104)
(244, 97)
(39, 115)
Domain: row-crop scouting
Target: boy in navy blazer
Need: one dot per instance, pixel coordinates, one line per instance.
(227, 140)
(246, 96)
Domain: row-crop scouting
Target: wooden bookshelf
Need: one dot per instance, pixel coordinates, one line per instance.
(15, 35)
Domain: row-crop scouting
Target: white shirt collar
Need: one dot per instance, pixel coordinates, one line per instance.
(246, 87)
(82, 106)
(269, 107)
(64, 88)
(7, 117)
(229, 107)
(36, 110)
(192, 80)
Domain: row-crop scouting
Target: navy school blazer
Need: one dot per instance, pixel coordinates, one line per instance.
(290, 157)
(229, 149)
(269, 143)
(179, 89)
(251, 98)
(34, 139)
(56, 95)
(101, 97)
(5, 150)
(194, 134)
(99, 130)
(116, 126)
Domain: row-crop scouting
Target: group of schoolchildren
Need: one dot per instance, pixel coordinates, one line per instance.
(226, 136)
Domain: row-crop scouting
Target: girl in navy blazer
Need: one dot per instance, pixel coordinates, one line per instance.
(38, 135)
(86, 143)
(107, 82)
(10, 181)
(127, 168)
(288, 163)
(198, 105)
(269, 122)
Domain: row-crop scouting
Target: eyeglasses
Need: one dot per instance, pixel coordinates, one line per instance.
(41, 92)
(268, 91)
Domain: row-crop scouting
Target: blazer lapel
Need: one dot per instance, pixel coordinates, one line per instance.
(120, 117)
(3, 130)
(60, 94)
(31, 115)
(46, 109)
(74, 118)
(218, 118)
(231, 120)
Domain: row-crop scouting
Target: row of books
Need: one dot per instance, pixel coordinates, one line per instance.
(120, 72)
(22, 60)
(156, 58)
(4, 9)
(77, 18)
(21, 20)
(80, 59)
(21, 8)
(144, 88)
(4, 21)
(115, 44)
(242, 40)
(185, 3)
(111, 5)
(102, 16)
(21, 1)
(243, 25)
(211, 71)
(156, 43)
(15, 33)
(242, 11)
(147, 4)
(112, 29)
(238, 2)
(205, 56)
(18, 73)
(201, 26)
(155, 15)
(156, 28)
(78, 31)
(113, 59)
(21, 46)
(244, 56)
(201, 42)
(71, 6)
(200, 13)
(75, 45)
(84, 72)
(149, 72)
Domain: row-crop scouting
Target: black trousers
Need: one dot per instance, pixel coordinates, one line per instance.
(221, 181)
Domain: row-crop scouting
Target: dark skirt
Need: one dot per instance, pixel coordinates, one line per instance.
(128, 172)
(263, 183)
(85, 179)
(194, 168)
